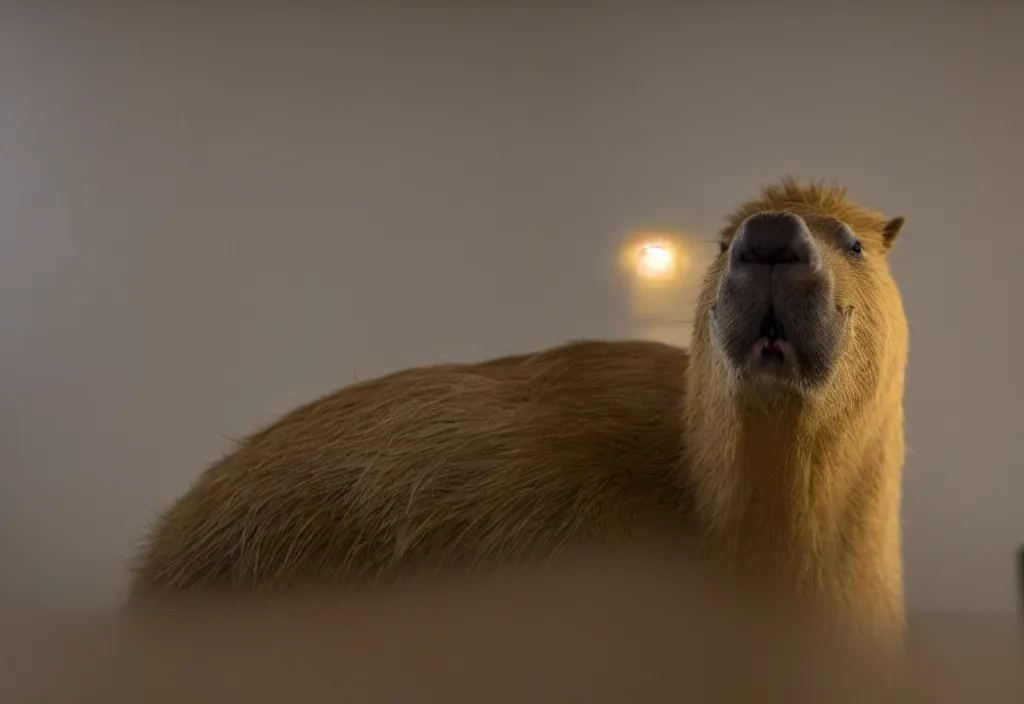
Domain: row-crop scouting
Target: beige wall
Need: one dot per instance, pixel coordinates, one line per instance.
(209, 215)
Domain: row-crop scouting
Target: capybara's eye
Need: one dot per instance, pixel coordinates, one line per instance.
(856, 249)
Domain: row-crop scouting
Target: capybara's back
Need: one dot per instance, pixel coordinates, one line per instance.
(432, 468)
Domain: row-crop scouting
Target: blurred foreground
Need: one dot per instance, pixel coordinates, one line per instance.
(609, 630)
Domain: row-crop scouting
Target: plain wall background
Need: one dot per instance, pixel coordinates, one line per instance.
(211, 212)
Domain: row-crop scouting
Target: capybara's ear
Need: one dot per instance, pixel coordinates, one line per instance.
(891, 230)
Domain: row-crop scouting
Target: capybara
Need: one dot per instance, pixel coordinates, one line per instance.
(775, 443)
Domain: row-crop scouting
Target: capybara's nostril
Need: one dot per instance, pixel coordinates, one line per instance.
(774, 238)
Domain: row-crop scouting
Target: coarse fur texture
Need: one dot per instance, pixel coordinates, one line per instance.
(587, 445)
(809, 484)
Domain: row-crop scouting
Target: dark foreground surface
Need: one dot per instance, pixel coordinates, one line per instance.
(601, 631)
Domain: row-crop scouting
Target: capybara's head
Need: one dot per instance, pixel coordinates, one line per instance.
(800, 302)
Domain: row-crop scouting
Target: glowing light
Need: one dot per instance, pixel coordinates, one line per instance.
(657, 267)
(656, 260)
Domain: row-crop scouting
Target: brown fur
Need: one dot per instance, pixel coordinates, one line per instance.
(811, 486)
(582, 445)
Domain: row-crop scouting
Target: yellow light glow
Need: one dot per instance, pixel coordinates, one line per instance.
(658, 267)
(656, 261)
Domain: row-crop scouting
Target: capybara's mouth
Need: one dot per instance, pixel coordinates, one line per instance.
(772, 328)
(772, 347)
